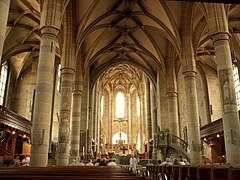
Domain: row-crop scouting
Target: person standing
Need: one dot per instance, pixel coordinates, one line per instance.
(133, 163)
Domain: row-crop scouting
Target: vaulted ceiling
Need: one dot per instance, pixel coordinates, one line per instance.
(119, 40)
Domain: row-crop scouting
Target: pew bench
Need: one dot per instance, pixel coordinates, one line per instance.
(183, 172)
(64, 173)
(41, 177)
(220, 172)
(234, 173)
(192, 172)
(204, 172)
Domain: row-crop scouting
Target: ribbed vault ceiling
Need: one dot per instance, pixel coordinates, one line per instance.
(123, 38)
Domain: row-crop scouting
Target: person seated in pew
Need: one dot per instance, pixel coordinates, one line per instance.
(149, 163)
(90, 163)
(186, 162)
(180, 162)
(167, 162)
(97, 163)
(175, 162)
(80, 163)
(103, 162)
(16, 161)
(73, 163)
(26, 161)
(112, 162)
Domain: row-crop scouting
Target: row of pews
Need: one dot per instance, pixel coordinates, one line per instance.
(67, 172)
(194, 172)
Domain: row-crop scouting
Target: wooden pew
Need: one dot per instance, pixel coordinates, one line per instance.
(175, 172)
(219, 172)
(192, 172)
(64, 173)
(168, 171)
(234, 173)
(183, 172)
(159, 169)
(204, 172)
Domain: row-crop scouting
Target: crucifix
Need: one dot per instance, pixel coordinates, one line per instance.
(120, 121)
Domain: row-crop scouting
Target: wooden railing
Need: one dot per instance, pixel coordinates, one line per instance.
(177, 142)
(14, 120)
(165, 140)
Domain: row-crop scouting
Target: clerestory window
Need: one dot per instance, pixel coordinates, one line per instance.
(3, 82)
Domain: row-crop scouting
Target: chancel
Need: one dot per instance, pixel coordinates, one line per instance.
(88, 80)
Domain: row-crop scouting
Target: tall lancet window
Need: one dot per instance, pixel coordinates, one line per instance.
(59, 78)
(237, 84)
(138, 106)
(120, 105)
(102, 105)
(3, 82)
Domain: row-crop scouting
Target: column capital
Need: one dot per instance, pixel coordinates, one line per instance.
(220, 36)
(172, 94)
(189, 74)
(67, 70)
(77, 92)
(49, 29)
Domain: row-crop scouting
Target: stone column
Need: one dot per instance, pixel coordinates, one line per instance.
(76, 117)
(98, 122)
(192, 114)
(142, 121)
(129, 120)
(76, 113)
(133, 118)
(67, 75)
(4, 6)
(154, 121)
(94, 114)
(50, 27)
(84, 114)
(65, 115)
(218, 26)
(158, 102)
(230, 112)
(172, 93)
(90, 130)
(149, 120)
(97, 119)
(189, 73)
(110, 121)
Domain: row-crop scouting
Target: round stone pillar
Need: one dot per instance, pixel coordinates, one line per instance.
(76, 114)
(43, 98)
(230, 112)
(65, 115)
(192, 114)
